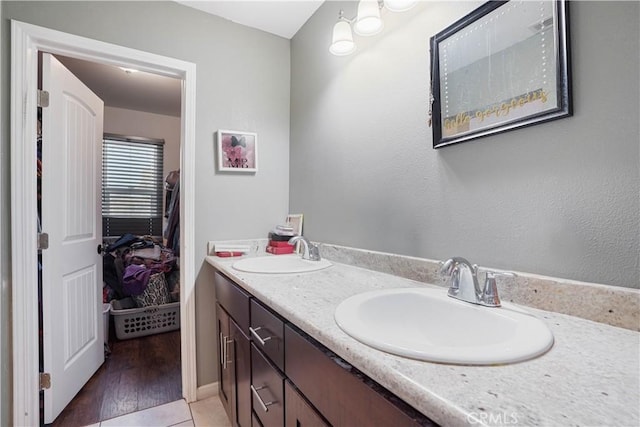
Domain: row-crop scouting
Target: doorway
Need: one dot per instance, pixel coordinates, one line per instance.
(27, 41)
(139, 370)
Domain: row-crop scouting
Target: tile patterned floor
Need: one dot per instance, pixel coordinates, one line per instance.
(204, 413)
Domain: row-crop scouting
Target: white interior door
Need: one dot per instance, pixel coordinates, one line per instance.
(71, 212)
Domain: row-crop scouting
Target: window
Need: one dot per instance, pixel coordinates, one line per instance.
(132, 170)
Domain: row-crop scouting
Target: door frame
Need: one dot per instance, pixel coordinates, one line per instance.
(26, 41)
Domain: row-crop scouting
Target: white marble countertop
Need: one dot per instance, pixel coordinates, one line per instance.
(590, 377)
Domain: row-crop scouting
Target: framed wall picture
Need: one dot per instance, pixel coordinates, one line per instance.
(295, 220)
(237, 151)
(503, 66)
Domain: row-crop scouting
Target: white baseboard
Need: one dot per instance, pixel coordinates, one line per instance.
(206, 391)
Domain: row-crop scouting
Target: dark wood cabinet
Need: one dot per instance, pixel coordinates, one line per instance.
(267, 332)
(234, 370)
(271, 374)
(267, 390)
(341, 393)
(255, 421)
(299, 412)
(234, 359)
(225, 374)
(235, 301)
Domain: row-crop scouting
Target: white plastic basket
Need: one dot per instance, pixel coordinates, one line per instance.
(139, 322)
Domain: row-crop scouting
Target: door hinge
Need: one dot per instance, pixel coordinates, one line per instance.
(45, 380)
(43, 241)
(43, 98)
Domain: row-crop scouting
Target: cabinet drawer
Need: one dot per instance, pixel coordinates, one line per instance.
(267, 333)
(255, 421)
(267, 390)
(234, 299)
(298, 412)
(342, 394)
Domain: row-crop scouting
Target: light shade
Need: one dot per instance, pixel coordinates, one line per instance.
(342, 40)
(368, 21)
(399, 5)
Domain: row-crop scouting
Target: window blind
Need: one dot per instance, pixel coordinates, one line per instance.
(132, 170)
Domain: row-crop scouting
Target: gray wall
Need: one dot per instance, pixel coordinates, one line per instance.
(242, 83)
(559, 199)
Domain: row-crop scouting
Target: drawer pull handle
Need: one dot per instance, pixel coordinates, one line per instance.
(264, 405)
(227, 361)
(224, 353)
(261, 340)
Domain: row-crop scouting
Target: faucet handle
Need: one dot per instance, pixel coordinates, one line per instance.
(490, 292)
(314, 252)
(501, 273)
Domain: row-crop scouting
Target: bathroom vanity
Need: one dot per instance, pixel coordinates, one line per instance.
(289, 378)
(284, 361)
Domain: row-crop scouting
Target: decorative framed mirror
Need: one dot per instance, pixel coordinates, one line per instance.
(502, 67)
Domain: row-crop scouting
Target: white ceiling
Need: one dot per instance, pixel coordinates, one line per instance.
(281, 17)
(161, 95)
(134, 91)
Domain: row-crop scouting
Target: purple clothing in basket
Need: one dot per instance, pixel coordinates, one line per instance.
(135, 279)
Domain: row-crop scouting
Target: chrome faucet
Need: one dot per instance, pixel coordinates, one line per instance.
(310, 251)
(463, 283)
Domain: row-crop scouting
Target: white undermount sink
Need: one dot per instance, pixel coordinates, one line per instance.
(279, 264)
(426, 324)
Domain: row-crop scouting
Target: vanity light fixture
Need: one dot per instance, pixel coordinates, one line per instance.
(366, 23)
(399, 5)
(342, 41)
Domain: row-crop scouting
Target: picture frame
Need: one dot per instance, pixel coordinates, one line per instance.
(237, 151)
(504, 66)
(295, 220)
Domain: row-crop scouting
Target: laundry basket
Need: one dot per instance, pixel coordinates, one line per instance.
(139, 322)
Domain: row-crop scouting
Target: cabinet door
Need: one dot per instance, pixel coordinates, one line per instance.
(242, 363)
(225, 368)
(298, 412)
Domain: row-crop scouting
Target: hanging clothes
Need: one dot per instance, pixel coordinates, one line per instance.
(172, 232)
(169, 184)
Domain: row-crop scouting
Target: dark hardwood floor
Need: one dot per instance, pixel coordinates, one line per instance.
(140, 373)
